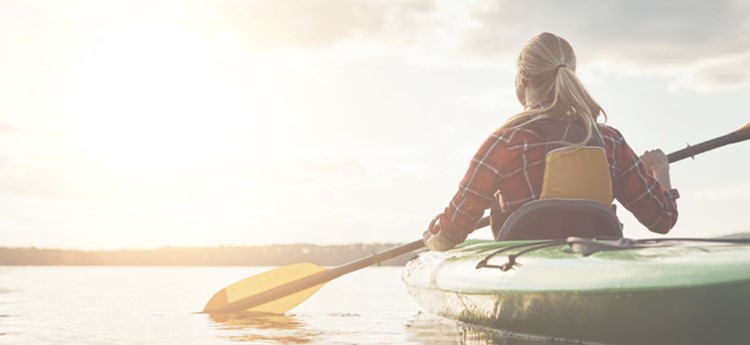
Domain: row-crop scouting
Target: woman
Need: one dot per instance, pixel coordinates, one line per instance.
(509, 168)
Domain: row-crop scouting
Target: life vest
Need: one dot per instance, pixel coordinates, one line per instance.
(576, 197)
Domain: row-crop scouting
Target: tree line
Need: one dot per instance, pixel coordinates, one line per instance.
(276, 255)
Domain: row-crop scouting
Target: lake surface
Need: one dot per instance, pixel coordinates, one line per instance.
(158, 305)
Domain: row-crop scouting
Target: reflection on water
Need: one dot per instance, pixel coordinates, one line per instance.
(424, 329)
(433, 330)
(254, 327)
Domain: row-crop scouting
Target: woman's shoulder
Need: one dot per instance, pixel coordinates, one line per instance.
(610, 133)
(506, 142)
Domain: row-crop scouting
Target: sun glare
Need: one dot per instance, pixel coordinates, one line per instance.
(158, 97)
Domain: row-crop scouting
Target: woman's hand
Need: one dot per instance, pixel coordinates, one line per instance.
(654, 160)
(437, 240)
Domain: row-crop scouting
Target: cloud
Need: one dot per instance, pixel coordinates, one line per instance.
(644, 31)
(686, 41)
(273, 24)
(723, 74)
(663, 38)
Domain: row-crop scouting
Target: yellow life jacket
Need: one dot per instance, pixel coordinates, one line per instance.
(574, 178)
(577, 173)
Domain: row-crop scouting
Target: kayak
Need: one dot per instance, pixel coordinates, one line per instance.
(661, 291)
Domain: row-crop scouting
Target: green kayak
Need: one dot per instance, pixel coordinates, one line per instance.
(677, 291)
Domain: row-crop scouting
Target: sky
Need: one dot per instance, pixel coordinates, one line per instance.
(143, 124)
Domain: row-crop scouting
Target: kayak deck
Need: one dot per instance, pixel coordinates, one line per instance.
(674, 293)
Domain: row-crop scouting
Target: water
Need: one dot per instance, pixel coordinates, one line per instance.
(158, 305)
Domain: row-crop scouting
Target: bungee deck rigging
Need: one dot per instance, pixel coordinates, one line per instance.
(589, 246)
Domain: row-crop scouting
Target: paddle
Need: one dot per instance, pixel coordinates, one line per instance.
(283, 288)
(741, 134)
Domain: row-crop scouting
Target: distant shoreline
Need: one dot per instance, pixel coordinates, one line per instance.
(275, 255)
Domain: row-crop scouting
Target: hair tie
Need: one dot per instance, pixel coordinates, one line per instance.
(561, 65)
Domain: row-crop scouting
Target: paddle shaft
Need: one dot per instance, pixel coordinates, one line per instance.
(690, 151)
(326, 276)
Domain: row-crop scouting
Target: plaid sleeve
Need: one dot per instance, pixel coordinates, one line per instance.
(476, 190)
(640, 193)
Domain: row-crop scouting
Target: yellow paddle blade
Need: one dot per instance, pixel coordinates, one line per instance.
(264, 282)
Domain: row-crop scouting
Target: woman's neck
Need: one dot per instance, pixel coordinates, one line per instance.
(537, 105)
(534, 100)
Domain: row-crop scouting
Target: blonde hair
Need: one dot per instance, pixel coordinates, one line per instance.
(548, 62)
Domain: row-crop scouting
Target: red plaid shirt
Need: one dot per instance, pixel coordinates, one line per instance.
(512, 161)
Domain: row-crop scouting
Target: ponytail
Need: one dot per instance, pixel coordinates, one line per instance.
(548, 63)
